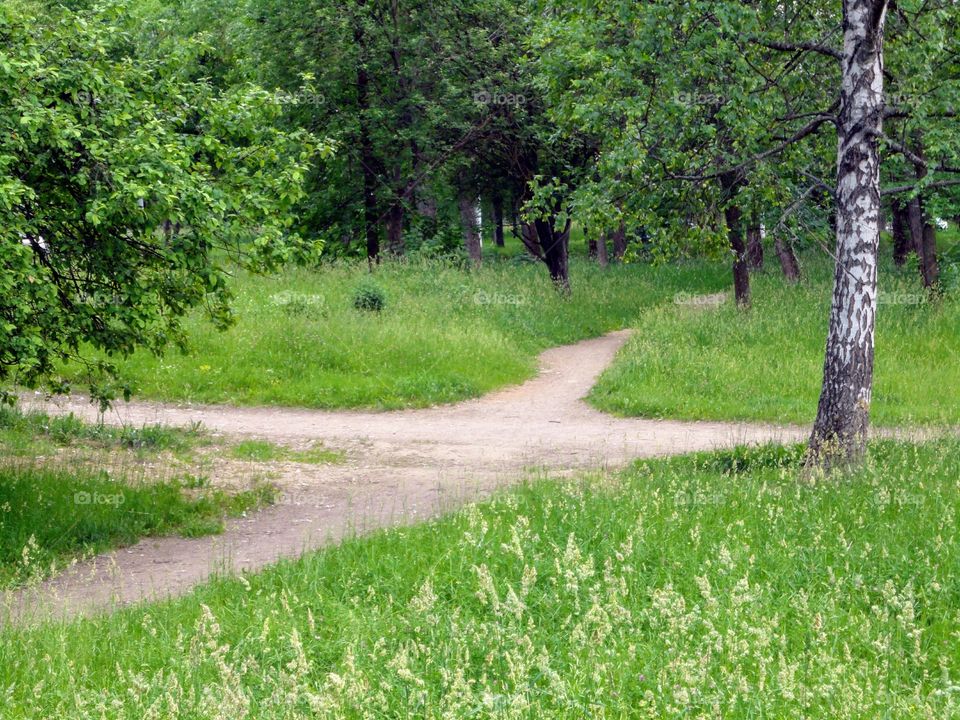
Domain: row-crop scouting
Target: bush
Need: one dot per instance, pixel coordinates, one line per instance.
(369, 296)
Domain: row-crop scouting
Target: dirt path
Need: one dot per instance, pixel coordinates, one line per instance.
(401, 466)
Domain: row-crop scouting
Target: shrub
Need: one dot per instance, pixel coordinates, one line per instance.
(369, 296)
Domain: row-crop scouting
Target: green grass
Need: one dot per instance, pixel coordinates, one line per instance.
(445, 333)
(695, 362)
(49, 516)
(264, 451)
(718, 585)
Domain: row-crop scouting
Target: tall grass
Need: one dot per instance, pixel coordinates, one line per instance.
(717, 585)
(695, 362)
(444, 334)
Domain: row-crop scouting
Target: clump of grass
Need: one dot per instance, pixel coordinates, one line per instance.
(49, 516)
(264, 451)
(712, 585)
(27, 433)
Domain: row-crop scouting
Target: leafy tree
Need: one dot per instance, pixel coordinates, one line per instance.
(125, 187)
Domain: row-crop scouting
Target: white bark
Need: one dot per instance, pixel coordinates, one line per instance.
(839, 434)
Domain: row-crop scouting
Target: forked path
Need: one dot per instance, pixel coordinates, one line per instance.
(401, 466)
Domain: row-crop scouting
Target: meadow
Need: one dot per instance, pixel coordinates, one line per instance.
(444, 333)
(714, 585)
(695, 362)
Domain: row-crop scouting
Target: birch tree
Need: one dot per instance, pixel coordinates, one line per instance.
(843, 414)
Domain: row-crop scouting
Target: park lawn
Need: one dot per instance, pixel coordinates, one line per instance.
(714, 585)
(695, 362)
(444, 334)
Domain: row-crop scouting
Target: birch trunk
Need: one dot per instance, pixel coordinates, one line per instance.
(840, 432)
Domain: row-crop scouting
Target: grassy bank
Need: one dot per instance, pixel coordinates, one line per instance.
(719, 585)
(50, 516)
(695, 362)
(70, 489)
(444, 333)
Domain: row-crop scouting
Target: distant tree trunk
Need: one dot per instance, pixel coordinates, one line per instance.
(839, 434)
(552, 246)
(556, 248)
(591, 248)
(395, 229)
(788, 260)
(915, 220)
(929, 265)
(741, 268)
(619, 237)
(924, 241)
(754, 247)
(734, 219)
(901, 239)
(498, 219)
(921, 225)
(367, 158)
(602, 259)
(471, 234)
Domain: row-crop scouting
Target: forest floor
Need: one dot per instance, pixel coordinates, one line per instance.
(399, 467)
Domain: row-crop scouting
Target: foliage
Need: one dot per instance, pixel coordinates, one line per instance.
(123, 184)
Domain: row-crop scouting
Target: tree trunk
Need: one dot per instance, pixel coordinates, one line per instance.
(901, 239)
(839, 434)
(734, 219)
(928, 264)
(498, 219)
(471, 234)
(602, 259)
(395, 229)
(754, 247)
(556, 247)
(788, 260)
(591, 248)
(741, 268)
(924, 241)
(619, 238)
(367, 158)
